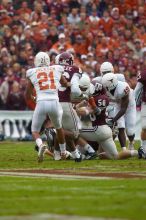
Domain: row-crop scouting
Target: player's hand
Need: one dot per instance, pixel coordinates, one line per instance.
(110, 122)
(97, 111)
(85, 96)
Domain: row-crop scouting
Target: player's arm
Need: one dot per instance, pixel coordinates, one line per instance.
(75, 89)
(95, 108)
(64, 82)
(29, 90)
(124, 105)
(138, 92)
(83, 103)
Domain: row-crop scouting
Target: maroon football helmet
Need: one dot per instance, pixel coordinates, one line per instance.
(65, 58)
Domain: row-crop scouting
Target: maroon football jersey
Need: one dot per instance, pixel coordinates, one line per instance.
(69, 71)
(102, 102)
(142, 79)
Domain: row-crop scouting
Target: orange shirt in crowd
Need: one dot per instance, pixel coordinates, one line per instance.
(5, 20)
(106, 26)
(24, 11)
(65, 45)
(81, 48)
(126, 4)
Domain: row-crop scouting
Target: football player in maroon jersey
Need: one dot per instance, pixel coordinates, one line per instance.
(70, 120)
(140, 96)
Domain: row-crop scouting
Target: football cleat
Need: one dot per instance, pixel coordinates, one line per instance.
(141, 153)
(41, 153)
(79, 159)
(90, 156)
(66, 156)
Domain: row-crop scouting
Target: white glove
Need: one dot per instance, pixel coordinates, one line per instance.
(110, 122)
(85, 96)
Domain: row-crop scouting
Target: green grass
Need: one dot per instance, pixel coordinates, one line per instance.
(109, 198)
(21, 155)
(102, 198)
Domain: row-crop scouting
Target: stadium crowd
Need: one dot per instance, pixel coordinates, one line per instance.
(94, 31)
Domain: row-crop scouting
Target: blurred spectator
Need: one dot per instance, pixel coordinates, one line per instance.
(24, 8)
(80, 45)
(6, 86)
(5, 19)
(106, 23)
(73, 17)
(61, 43)
(15, 99)
(91, 60)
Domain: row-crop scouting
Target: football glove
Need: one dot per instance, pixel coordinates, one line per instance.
(97, 111)
(110, 122)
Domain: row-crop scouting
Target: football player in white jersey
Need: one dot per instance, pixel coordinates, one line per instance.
(99, 131)
(125, 106)
(107, 67)
(45, 79)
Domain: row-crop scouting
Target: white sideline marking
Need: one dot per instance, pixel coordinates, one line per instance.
(53, 176)
(53, 217)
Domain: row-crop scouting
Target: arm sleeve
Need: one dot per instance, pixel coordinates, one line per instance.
(75, 89)
(138, 93)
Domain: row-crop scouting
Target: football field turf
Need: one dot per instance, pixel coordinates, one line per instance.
(67, 190)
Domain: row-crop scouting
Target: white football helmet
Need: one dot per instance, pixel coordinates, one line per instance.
(106, 67)
(109, 81)
(41, 59)
(84, 81)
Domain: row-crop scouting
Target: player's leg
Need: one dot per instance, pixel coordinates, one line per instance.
(130, 124)
(122, 134)
(55, 113)
(142, 149)
(110, 150)
(70, 122)
(39, 117)
(87, 148)
(105, 140)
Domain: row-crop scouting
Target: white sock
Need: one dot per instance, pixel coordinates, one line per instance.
(62, 147)
(75, 153)
(39, 142)
(88, 148)
(124, 148)
(134, 153)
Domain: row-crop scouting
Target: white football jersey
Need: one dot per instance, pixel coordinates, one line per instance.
(121, 91)
(45, 81)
